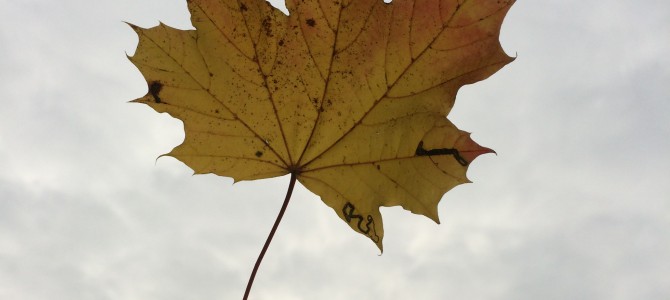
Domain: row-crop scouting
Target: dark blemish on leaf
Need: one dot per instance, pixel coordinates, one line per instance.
(348, 213)
(281, 43)
(154, 89)
(420, 151)
(216, 111)
(243, 7)
(211, 75)
(267, 25)
(259, 153)
(379, 167)
(311, 22)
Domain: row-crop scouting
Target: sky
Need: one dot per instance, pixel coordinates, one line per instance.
(575, 205)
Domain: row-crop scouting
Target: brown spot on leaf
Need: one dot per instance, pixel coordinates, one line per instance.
(259, 153)
(243, 7)
(311, 22)
(155, 89)
(267, 26)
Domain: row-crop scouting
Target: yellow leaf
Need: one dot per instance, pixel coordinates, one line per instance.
(349, 96)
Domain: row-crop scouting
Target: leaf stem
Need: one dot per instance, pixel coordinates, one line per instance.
(272, 233)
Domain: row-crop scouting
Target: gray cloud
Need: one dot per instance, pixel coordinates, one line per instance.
(574, 206)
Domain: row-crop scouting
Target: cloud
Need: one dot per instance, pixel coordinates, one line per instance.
(573, 206)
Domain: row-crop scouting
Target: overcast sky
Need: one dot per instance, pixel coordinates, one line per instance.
(576, 205)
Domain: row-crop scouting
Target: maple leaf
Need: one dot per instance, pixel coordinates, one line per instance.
(350, 97)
